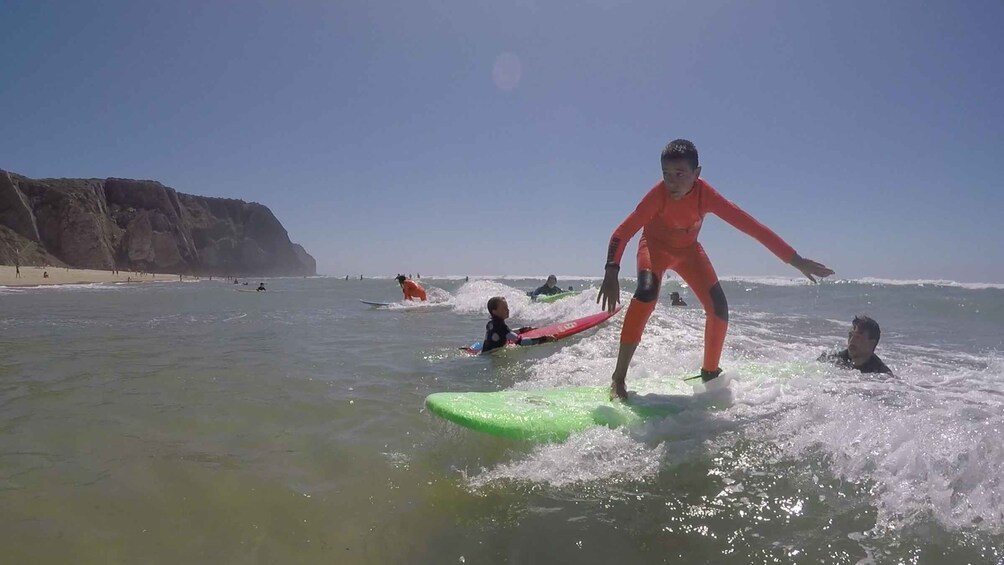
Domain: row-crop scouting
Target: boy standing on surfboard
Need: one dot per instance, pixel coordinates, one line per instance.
(412, 290)
(670, 217)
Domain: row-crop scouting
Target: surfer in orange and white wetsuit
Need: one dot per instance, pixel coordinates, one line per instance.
(412, 290)
(670, 217)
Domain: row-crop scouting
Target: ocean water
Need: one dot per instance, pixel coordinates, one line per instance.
(189, 423)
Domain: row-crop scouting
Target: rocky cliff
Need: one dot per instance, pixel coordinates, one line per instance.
(139, 225)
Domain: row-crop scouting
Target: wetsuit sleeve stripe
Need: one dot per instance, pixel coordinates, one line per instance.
(643, 214)
(739, 219)
(614, 250)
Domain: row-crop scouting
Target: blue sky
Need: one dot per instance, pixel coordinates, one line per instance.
(494, 137)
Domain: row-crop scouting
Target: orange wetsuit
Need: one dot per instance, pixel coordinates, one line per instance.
(413, 290)
(669, 241)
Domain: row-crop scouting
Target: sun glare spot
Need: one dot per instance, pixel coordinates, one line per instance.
(506, 72)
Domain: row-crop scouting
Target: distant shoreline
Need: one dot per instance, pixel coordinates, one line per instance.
(33, 276)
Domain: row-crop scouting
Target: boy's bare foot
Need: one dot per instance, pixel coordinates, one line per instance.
(618, 390)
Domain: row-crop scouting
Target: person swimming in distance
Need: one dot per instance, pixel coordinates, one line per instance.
(497, 332)
(261, 287)
(676, 300)
(862, 339)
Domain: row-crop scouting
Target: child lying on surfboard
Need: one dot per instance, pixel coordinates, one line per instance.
(497, 332)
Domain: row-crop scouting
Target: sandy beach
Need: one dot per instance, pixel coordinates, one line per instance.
(34, 276)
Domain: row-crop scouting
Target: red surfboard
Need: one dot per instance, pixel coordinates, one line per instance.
(559, 330)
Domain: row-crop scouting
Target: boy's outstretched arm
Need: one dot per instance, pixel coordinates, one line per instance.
(742, 221)
(810, 267)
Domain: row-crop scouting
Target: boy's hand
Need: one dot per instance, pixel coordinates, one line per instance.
(810, 267)
(548, 339)
(610, 290)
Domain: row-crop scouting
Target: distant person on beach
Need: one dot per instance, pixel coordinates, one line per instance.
(670, 216)
(497, 332)
(412, 290)
(236, 281)
(261, 287)
(549, 287)
(45, 274)
(467, 279)
(862, 340)
(676, 300)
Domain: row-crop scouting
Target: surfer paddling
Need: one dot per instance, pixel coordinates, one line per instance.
(670, 217)
(549, 288)
(412, 290)
(497, 332)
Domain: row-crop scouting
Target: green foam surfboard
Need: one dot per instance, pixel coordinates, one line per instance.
(553, 297)
(551, 415)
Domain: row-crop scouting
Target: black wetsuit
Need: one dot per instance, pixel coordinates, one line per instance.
(843, 359)
(546, 291)
(496, 335)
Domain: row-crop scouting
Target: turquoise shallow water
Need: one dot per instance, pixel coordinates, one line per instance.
(189, 423)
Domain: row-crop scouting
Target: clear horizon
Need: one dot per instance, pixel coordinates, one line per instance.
(467, 137)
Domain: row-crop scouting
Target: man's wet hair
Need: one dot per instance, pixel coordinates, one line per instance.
(681, 149)
(867, 325)
(494, 302)
(401, 278)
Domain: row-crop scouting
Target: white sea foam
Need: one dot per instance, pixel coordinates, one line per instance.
(757, 280)
(100, 287)
(928, 439)
(472, 298)
(931, 446)
(769, 281)
(921, 282)
(598, 454)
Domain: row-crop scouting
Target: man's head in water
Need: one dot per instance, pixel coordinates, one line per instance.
(680, 167)
(863, 338)
(498, 307)
(551, 281)
(401, 279)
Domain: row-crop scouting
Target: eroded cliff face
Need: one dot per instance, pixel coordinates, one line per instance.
(141, 225)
